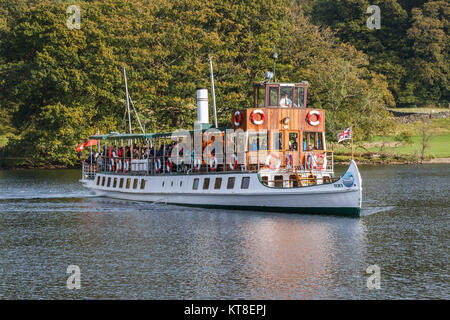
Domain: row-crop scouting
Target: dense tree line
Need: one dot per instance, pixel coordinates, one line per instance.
(58, 86)
(411, 48)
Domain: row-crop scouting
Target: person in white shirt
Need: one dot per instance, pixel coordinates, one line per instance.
(285, 102)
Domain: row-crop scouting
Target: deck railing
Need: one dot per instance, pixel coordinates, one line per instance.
(165, 165)
(88, 170)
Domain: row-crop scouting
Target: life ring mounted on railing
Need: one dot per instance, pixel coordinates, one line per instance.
(169, 165)
(309, 118)
(270, 165)
(254, 114)
(237, 118)
(234, 161)
(158, 165)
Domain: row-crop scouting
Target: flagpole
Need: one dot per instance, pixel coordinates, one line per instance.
(351, 132)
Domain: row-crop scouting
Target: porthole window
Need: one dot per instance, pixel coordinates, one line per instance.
(121, 183)
(142, 184)
(128, 183)
(230, 183)
(245, 182)
(115, 183)
(195, 184)
(109, 182)
(206, 184)
(135, 183)
(218, 183)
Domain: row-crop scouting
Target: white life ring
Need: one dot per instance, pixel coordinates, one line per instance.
(237, 118)
(234, 161)
(269, 157)
(169, 164)
(197, 164)
(310, 114)
(253, 117)
(158, 165)
(213, 163)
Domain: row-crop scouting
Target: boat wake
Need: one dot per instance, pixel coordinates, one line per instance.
(372, 210)
(48, 197)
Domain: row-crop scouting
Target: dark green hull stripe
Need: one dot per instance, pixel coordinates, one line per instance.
(352, 212)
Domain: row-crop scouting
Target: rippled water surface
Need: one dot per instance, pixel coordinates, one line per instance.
(136, 250)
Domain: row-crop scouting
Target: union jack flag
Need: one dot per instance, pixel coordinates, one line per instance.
(346, 134)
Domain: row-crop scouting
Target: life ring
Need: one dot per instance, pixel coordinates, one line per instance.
(289, 161)
(234, 161)
(273, 167)
(169, 165)
(310, 114)
(158, 165)
(212, 161)
(197, 164)
(253, 117)
(237, 118)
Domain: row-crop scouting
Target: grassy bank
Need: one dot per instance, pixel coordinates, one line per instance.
(403, 144)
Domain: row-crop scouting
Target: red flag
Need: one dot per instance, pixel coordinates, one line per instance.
(90, 143)
(81, 147)
(87, 144)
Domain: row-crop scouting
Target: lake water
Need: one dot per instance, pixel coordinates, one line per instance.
(136, 250)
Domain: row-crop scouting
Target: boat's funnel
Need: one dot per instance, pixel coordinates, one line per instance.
(202, 105)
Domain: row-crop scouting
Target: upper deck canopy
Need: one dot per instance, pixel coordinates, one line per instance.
(125, 136)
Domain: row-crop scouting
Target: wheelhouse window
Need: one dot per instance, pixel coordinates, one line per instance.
(261, 92)
(273, 97)
(299, 97)
(230, 183)
(312, 141)
(195, 184)
(245, 182)
(286, 97)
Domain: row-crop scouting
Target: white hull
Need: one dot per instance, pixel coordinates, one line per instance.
(342, 197)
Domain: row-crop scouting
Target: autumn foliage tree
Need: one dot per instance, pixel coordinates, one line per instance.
(58, 86)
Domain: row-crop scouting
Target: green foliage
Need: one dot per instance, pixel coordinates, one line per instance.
(58, 86)
(411, 49)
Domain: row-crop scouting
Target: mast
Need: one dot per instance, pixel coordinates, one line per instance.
(213, 93)
(128, 99)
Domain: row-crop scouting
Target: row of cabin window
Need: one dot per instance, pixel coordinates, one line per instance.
(121, 182)
(245, 182)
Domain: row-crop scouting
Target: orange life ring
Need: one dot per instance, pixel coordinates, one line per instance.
(237, 118)
(253, 117)
(316, 113)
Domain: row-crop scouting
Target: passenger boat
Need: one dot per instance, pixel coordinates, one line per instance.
(272, 158)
